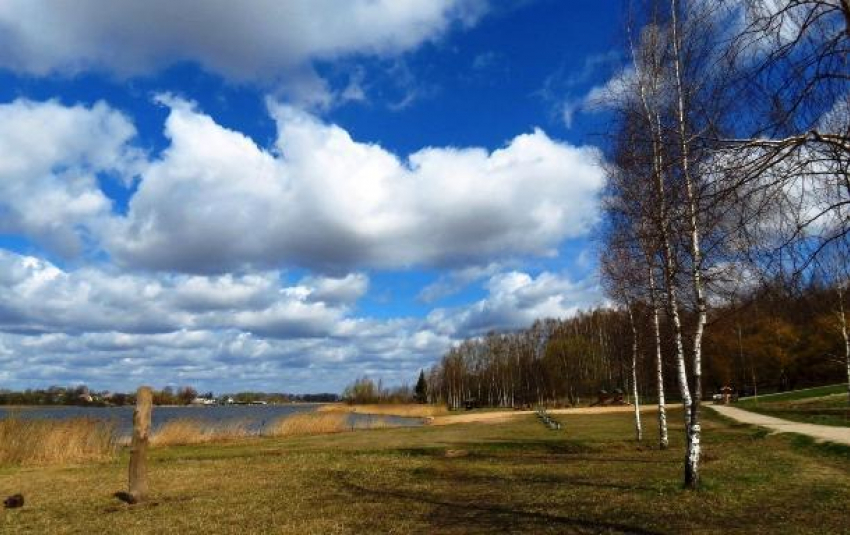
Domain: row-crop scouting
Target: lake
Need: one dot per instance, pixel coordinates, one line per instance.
(254, 417)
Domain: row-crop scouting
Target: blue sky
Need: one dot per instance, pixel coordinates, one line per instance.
(283, 196)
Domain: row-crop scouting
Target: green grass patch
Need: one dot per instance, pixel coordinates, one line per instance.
(822, 406)
(816, 392)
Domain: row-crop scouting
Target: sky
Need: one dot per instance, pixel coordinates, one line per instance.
(283, 196)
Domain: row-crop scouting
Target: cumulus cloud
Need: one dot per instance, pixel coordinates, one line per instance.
(188, 283)
(215, 201)
(37, 296)
(515, 300)
(51, 156)
(228, 332)
(261, 40)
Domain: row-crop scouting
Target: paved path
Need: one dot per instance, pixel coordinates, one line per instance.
(829, 433)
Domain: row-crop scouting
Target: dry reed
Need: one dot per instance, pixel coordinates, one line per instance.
(42, 442)
(187, 431)
(309, 423)
(403, 410)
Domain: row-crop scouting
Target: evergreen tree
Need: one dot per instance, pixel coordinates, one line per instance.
(421, 390)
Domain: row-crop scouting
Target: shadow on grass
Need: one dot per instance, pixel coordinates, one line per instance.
(431, 474)
(538, 451)
(467, 515)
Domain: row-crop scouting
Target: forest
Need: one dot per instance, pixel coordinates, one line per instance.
(723, 240)
(770, 342)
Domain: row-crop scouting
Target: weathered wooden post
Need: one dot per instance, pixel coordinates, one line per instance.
(139, 445)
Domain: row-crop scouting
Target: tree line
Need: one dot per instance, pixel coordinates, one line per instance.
(773, 339)
(81, 395)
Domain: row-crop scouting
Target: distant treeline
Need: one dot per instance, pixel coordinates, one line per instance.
(82, 396)
(365, 390)
(775, 339)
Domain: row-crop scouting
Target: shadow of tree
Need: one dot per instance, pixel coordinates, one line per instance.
(537, 479)
(477, 516)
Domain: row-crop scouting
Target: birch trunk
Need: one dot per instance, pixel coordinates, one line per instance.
(663, 440)
(663, 225)
(638, 426)
(845, 336)
(693, 429)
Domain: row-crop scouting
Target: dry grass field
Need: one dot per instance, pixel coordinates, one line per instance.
(511, 477)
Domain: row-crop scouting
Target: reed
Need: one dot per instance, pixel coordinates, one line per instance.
(309, 423)
(188, 431)
(404, 410)
(44, 442)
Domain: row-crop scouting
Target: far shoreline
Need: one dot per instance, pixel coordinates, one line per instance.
(55, 406)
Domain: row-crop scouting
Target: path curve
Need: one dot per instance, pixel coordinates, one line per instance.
(821, 433)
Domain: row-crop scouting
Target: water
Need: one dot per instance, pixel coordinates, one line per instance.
(253, 417)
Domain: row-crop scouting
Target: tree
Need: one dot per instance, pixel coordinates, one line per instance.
(421, 390)
(186, 394)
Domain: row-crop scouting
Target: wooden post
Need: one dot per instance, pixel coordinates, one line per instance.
(139, 445)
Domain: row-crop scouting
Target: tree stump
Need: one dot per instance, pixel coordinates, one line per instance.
(138, 490)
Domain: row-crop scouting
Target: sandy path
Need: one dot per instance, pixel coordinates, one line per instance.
(501, 416)
(839, 435)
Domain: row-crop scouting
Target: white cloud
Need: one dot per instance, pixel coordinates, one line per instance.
(37, 296)
(515, 300)
(262, 40)
(215, 218)
(50, 159)
(215, 201)
(228, 332)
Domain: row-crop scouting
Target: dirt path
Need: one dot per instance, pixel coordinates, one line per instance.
(839, 435)
(501, 416)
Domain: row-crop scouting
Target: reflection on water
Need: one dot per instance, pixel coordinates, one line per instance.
(252, 417)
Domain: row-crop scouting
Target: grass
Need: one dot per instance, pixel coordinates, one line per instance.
(40, 442)
(805, 393)
(824, 405)
(515, 477)
(404, 410)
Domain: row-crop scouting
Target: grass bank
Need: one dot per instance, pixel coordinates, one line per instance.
(825, 405)
(514, 477)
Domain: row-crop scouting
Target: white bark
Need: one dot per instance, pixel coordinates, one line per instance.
(638, 426)
(663, 440)
(663, 223)
(845, 335)
(692, 464)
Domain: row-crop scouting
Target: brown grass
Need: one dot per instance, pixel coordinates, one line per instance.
(187, 431)
(404, 410)
(309, 423)
(43, 442)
